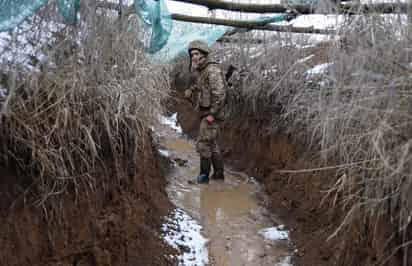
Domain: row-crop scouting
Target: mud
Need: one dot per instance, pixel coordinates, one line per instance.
(116, 223)
(297, 199)
(232, 212)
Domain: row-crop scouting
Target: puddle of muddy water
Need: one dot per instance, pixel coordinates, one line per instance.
(237, 226)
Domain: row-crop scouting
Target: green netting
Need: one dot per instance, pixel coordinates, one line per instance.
(14, 12)
(69, 10)
(276, 18)
(170, 38)
(183, 33)
(167, 38)
(157, 17)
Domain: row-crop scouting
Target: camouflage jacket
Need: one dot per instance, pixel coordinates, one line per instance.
(210, 91)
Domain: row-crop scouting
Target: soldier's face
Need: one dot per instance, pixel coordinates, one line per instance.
(197, 58)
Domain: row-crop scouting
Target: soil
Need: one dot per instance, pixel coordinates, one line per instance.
(298, 199)
(116, 223)
(232, 212)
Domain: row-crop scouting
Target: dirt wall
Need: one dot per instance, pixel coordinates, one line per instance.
(115, 223)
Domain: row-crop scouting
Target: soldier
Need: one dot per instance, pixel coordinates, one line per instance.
(209, 95)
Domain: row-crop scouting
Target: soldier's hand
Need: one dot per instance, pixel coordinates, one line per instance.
(188, 93)
(210, 119)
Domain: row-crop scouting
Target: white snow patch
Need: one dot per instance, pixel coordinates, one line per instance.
(184, 233)
(303, 60)
(285, 262)
(306, 46)
(317, 21)
(165, 153)
(274, 233)
(318, 69)
(3, 92)
(252, 180)
(171, 121)
(281, 227)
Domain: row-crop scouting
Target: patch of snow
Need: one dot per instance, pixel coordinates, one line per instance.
(252, 180)
(171, 121)
(317, 21)
(285, 262)
(3, 92)
(306, 46)
(255, 52)
(275, 233)
(323, 83)
(184, 233)
(303, 60)
(281, 227)
(318, 69)
(165, 153)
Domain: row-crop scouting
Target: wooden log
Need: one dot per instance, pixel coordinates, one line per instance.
(250, 24)
(343, 8)
(255, 25)
(383, 8)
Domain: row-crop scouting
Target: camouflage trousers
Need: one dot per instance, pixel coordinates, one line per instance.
(207, 140)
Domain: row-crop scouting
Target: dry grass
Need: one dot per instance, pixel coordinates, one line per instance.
(88, 107)
(357, 116)
(363, 116)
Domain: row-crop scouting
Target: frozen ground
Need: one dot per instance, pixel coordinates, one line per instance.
(184, 233)
(171, 121)
(275, 233)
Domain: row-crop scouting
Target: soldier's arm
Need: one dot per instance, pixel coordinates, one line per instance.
(217, 90)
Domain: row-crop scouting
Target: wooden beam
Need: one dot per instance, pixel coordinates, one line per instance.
(255, 25)
(250, 24)
(344, 8)
(384, 8)
(241, 40)
(253, 8)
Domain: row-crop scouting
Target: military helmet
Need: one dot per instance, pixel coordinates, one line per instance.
(199, 45)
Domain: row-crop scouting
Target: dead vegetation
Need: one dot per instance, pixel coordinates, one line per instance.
(354, 114)
(88, 105)
(362, 120)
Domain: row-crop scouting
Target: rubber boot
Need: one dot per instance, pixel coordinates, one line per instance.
(218, 166)
(205, 165)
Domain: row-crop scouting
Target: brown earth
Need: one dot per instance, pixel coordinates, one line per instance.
(250, 146)
(117, 223)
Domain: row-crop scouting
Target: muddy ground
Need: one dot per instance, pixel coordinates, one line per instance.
(115, 224)
(118, 222)
(232, 213)
(297, 199)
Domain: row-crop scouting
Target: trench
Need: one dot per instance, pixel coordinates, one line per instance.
(235, 225)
